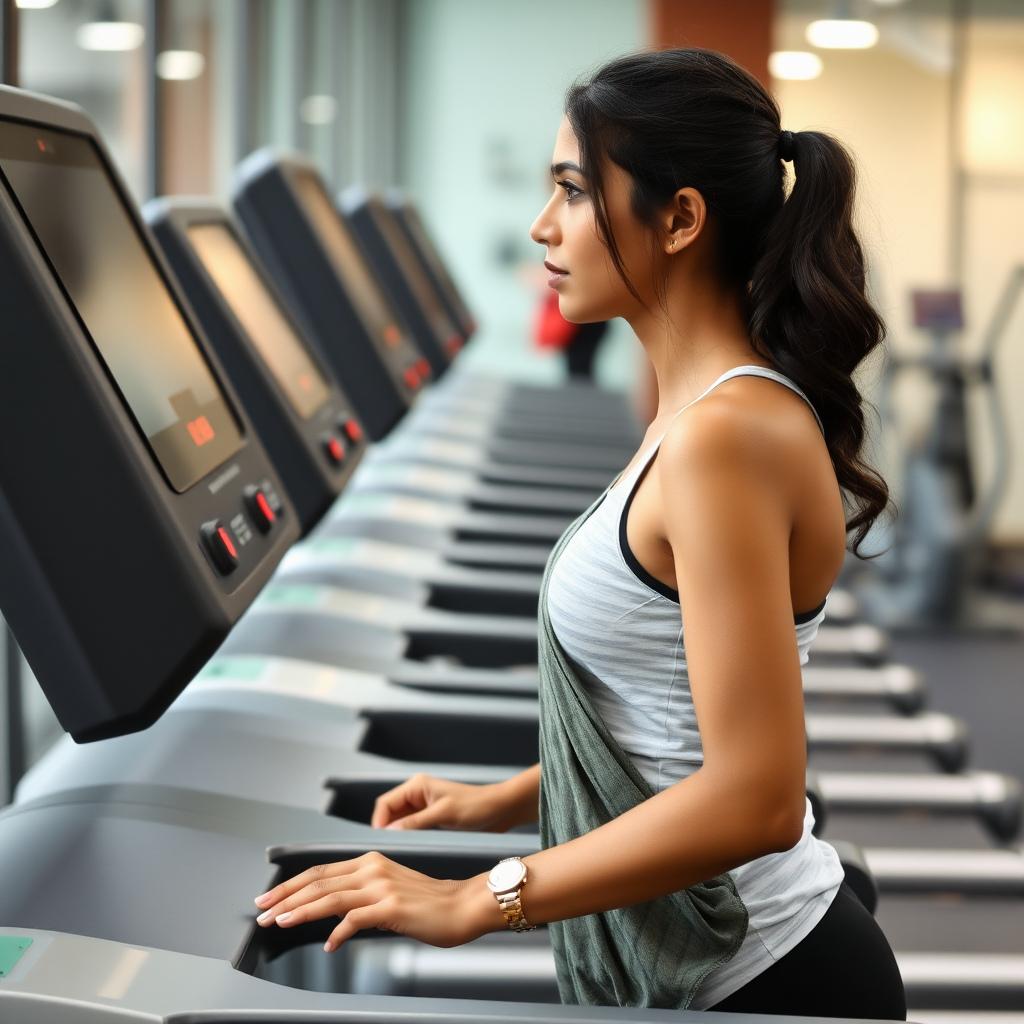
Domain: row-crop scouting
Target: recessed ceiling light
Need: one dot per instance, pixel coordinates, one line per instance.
(179, 65)
(842, 34)
(795, 65)
(34, 5)
(110, 35)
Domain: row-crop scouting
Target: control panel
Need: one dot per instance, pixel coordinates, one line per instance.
(132, 534)
(408, 219)
(312, 257)
(309, 427)
(404, 277)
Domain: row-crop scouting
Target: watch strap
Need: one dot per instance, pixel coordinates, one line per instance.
(512, 907)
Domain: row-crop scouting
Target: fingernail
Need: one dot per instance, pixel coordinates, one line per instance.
(328, 948)
(282, 918)
(261, 900)
(264, 917)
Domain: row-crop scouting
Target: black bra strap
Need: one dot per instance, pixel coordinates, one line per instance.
(655, 584)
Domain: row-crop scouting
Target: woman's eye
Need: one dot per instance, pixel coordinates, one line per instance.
(571, 190)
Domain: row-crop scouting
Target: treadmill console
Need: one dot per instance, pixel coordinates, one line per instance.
(315, 261)
(309, 428)
(408, 219)
(404, 277)
(139, 515)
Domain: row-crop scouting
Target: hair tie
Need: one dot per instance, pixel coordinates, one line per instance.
(785, 145)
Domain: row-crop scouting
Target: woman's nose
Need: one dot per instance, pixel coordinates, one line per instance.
(543, 228)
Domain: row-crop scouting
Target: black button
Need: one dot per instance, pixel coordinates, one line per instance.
(334, 447)
(220, 546)
(259, 508)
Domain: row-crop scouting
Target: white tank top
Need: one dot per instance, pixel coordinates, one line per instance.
(623, 632)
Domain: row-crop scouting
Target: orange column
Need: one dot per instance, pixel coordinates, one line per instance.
(740, 28)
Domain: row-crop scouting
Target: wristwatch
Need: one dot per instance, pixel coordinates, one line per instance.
(506, 881)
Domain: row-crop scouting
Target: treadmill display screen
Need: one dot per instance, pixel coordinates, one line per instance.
(429, 253)
(360, 285)
(283, 352)
(414, 274)
(71, 203)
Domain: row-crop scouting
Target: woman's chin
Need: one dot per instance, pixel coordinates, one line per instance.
(577, 312)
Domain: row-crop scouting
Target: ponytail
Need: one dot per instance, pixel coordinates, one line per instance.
(679, 118)
(809, 315)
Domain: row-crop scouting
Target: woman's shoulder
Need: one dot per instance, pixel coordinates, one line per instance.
(744, 421)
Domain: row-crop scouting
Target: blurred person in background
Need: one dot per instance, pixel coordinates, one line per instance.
(579, 342)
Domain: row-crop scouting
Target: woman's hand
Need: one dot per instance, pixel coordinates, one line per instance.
(375, 892)
(426, 802)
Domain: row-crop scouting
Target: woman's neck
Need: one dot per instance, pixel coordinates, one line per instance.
(692, 337)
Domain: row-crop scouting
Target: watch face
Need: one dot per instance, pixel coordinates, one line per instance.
(506, 876)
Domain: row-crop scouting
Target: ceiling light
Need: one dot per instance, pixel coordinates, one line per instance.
(795, 65)
(34, 5)
(179, 65)
(318, 109)
(842, 34)
(110, 35)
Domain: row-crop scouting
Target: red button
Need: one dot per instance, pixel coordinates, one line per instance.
(334, 448)
(422, 367)
(351, 428)
(259, 508)
(453, 344)
(219, 545)
(412, 378)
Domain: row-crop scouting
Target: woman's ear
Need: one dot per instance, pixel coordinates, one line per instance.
(684, 219)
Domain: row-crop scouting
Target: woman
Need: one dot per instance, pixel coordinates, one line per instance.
(678, 867)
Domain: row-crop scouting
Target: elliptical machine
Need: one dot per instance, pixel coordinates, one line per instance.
(926, 560)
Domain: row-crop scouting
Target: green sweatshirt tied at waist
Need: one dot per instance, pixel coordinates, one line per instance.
(655, 954)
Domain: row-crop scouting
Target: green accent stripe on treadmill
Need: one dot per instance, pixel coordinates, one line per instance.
(12, 948)
(234, 668)
(338, 546)
(298, 595)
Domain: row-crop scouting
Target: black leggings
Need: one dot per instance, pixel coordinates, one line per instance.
(843, 968)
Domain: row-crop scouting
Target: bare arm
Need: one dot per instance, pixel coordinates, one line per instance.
(727, 513)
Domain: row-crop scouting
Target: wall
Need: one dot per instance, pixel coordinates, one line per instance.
(483, 88)
(740, 28)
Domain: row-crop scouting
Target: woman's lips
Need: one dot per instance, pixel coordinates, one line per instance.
(556, 275)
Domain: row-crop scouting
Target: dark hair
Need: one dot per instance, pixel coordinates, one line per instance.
(694, 118)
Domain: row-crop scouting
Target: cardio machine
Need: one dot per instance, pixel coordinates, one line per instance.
(925, 565)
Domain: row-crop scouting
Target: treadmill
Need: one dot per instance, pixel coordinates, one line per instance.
(408, 219)
(276, 372)
(310, 428)
(325, 279)
(407, 282)
(166, 490)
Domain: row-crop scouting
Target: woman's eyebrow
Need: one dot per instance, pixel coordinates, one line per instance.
(565, 165)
